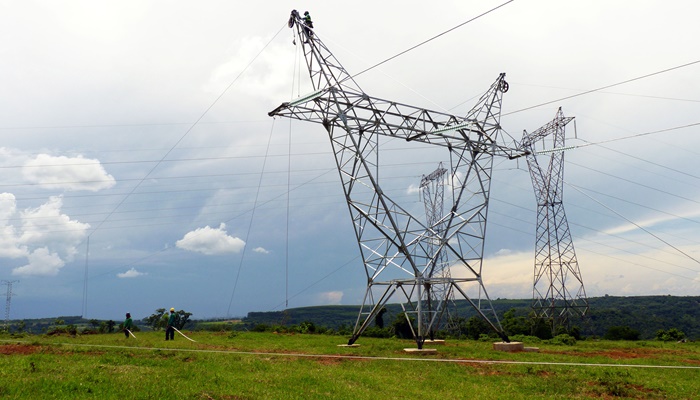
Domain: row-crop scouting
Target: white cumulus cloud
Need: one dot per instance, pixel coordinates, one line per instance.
(41, 262)
(68, 173)
(46, 224)
(44, 235)
(210, 241)
(334, 297)
(132, 273)
(261, 250)
(9, 239)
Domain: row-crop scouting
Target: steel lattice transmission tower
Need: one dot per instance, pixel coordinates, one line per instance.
(8, 301)
(558, 291)
(398, 250)
(432, 189)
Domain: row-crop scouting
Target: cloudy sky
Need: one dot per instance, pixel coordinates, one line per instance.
(140, 169)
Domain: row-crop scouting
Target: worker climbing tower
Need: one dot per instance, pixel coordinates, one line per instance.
(558, 294)
(399, 251)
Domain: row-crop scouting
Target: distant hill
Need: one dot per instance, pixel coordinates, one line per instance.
(646, 314)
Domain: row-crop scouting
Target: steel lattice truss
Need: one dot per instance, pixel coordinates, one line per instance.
(8, 302)
(558, 291)
(432, 188)
(399, 251)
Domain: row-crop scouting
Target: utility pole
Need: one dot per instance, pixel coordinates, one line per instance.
(7, 303)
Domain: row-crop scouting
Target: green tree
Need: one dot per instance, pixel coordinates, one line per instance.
(515, 325)
(155, 320)
(541, 327)
(379, 318)
(159, 319)
(181, 319)
(621, 333)
(670, 335)
(107, 326)
(476, 326)
(402, 326)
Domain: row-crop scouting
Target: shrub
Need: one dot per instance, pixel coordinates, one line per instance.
(485, 337)
(563, 339)
(621, 333)
(525, 339)
(672, 334)
(260, 328)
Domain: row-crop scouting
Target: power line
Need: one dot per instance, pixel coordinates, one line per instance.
(432, 38)
(637, 225)
(651, 162)
(250, 223)
(634, 136)
(635, 183)
(226, 221)
(604, 87)
(162, 159)
(577, 237)
(125, 125)
(615, 93)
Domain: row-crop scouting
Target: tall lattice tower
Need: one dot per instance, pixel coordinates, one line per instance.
(558, 293)
(8, 301)
(432, 190)
(398, 249)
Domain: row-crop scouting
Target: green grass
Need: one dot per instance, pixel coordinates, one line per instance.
(272, 366)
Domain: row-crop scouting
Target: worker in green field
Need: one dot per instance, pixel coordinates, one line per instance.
(128, 325)
(170, 328)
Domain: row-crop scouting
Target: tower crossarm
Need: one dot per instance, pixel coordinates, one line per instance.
(529, 139)
(389, 118)
(338, 99)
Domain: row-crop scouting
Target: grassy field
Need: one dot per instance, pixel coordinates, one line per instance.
(272, 366)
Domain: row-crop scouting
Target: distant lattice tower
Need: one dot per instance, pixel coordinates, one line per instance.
(8, 302)
(433, 194)
(558, 292)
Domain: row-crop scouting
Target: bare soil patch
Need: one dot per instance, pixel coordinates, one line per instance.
(24, 349)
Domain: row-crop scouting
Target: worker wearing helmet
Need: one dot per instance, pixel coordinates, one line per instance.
(308, 23)
(170, 328)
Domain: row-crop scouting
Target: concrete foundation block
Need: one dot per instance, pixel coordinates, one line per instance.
(421, 351)
(509, 347)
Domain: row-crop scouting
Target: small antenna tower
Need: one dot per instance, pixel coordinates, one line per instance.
(8, 302)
